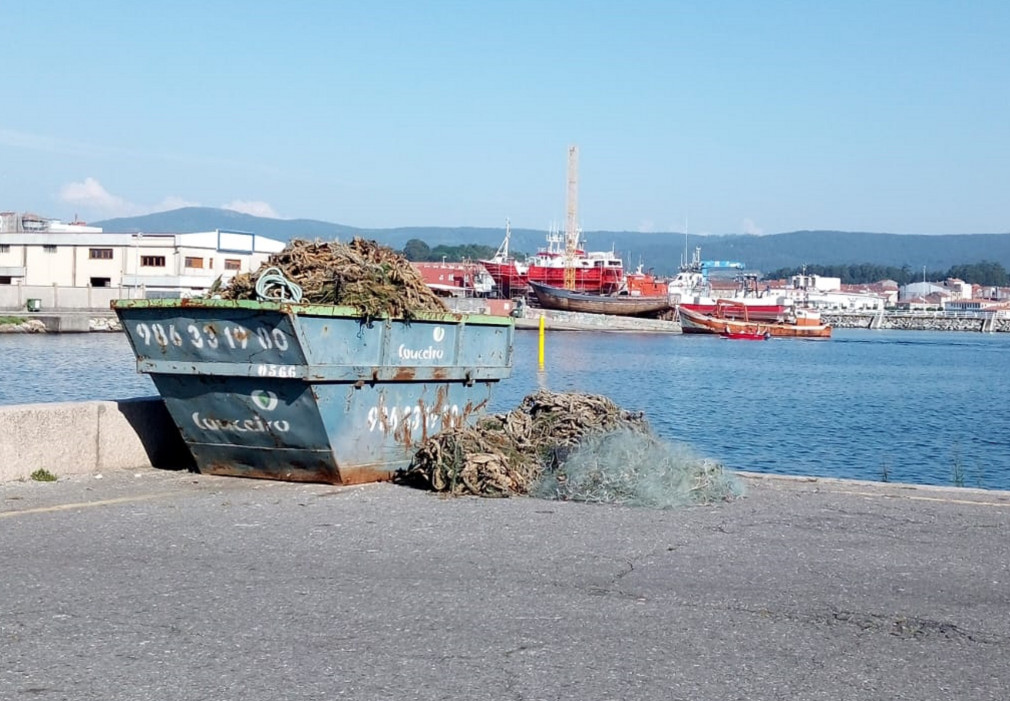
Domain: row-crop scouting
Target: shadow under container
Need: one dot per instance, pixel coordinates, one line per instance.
(313, 393)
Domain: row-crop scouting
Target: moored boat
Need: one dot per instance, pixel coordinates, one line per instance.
(509, 274)
(618, 304)
(803, 324)
(645, 284)
(746, 335)
(691, 289)
(595, 272)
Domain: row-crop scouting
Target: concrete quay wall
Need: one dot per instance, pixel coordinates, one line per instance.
(555, 320)
(72, 438)
(65, 322)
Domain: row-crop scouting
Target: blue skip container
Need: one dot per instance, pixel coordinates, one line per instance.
(313, 393)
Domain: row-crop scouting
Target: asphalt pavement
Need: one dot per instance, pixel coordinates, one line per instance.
(170, 585)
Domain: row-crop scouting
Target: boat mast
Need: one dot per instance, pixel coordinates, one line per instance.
(572, 222)
(502, 254)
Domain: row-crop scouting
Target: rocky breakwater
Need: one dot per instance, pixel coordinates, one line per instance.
(915, 322)
(104, 323)
(14, 324)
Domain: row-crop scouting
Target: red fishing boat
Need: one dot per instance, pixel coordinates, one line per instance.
(596, 272)
(641, 284)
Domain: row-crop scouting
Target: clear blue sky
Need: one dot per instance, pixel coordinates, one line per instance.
(731, 117)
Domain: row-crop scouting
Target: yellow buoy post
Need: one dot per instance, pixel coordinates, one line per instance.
(541, 356)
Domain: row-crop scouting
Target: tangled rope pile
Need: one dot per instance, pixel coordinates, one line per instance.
(566, 446)
(363, 274)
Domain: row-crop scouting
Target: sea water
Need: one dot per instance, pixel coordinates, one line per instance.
(905, 406)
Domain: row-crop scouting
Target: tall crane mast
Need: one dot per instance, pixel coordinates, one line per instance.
(572, 219)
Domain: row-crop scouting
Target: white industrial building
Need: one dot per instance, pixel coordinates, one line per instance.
(74, 266)
(819, 292)
(914, 290)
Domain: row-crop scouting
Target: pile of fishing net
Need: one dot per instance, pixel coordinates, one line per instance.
(375, 279)
(568, 446)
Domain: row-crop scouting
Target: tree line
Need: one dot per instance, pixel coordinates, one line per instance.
(418, 250)
(983, 273)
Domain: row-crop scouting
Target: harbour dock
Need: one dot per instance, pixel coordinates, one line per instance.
(168, 584)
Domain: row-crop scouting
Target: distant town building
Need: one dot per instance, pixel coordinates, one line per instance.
(991, 292)
(829, 294)
(975, 306)
(35, 251)
(454, 279)
(959, 289)
(20, 223)
(921, 290)
(816, 283)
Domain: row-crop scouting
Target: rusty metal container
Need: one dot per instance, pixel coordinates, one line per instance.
(313, 393)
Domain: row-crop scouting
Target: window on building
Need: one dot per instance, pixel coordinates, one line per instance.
(5, 248)
(49, 248)
(192, 262)
(101, 282)
(232, 264)
(100, 253)
(152, 261)
(5, 280)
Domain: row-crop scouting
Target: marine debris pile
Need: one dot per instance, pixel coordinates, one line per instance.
(567, 446)
(375, 279)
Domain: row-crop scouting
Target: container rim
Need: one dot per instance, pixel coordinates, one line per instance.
(303, 309)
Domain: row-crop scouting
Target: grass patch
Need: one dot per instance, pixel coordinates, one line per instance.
(957, 468)
(12, 320)
(43, 475)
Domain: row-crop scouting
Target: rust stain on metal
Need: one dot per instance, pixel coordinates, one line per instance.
(440, 395)
(470, 407)
(424, 420)
(383, 414)
(404, 374)
(402, 433)
(291, 472)
(363, 474)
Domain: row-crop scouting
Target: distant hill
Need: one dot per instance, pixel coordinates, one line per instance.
(190, 219)
(659, 251)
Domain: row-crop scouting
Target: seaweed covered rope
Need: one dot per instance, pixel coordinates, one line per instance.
(505, 454)
(363, 274)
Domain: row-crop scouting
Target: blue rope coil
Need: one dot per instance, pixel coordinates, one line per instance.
(272, 285)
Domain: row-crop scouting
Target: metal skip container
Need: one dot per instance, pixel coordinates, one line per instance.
(313, 393)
